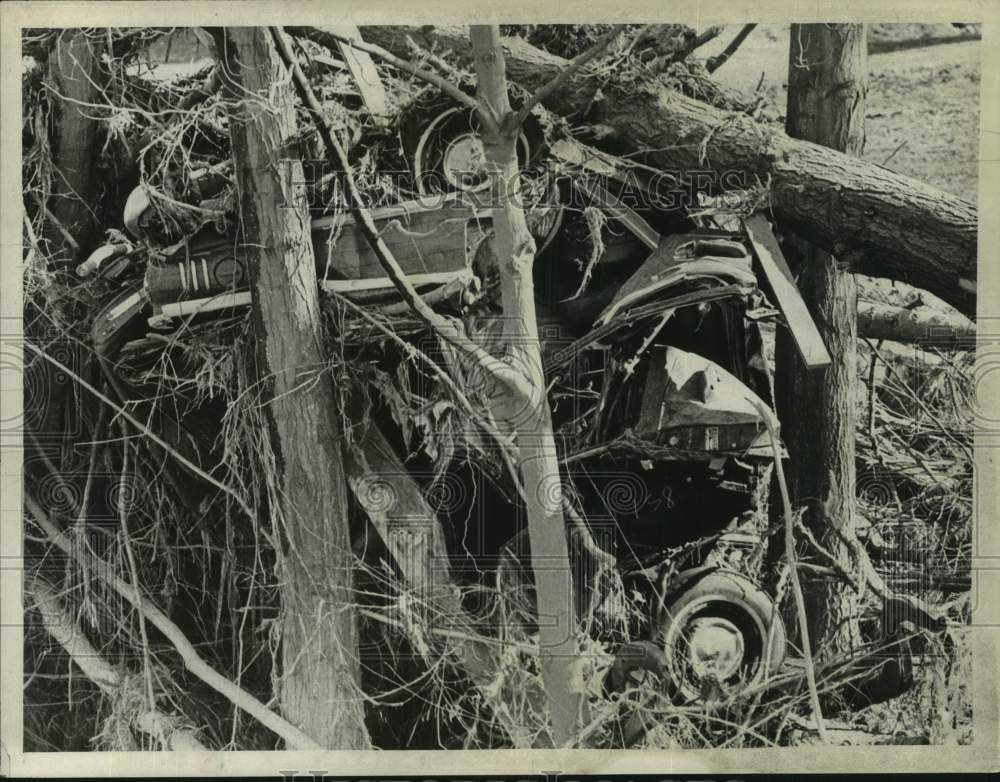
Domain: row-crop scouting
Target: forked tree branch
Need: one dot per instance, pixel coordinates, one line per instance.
(566, 74)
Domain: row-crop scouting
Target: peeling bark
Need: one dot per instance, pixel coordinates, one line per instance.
(920, 325)
(529, 417)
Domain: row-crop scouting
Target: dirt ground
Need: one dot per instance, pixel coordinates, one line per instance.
(923, 100)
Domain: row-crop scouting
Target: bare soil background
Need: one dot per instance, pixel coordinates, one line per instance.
(923, 97)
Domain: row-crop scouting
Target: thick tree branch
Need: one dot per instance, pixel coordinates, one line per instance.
(847, 206)
(712, 64)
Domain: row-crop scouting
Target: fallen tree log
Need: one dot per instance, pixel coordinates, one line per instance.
(884, 223)
(923, 325)
(901, 313)
(692, 79)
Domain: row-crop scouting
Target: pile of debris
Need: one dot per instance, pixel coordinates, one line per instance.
(658, 296)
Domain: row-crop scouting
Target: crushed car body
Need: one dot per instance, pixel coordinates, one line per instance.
(657, 376)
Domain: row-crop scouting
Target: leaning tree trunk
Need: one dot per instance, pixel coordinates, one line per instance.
(886, 224)
(827, 81)
(320, 680)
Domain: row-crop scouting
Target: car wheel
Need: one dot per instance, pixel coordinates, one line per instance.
(721, 635)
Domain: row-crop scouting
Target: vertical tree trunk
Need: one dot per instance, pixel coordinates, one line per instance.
(530, 418)
(320, 684)
(827, 80)
(74, 74)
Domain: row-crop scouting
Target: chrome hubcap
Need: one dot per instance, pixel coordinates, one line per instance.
(715, 647)
(465, 162)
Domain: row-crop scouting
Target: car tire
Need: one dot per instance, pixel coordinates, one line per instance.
(721, 626)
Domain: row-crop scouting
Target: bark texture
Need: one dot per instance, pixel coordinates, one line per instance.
(320, 689)
(898, 312)
(827, 82)
(883, 223)
(73, 79)
(920, 325)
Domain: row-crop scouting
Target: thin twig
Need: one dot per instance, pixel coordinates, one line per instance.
(59, 624)
(800, 603)
(500, 370)
(565, 74)
(124, 500)
(330, 39)
(193, 661)
(871, 401)
(921, 404)
(144, 429)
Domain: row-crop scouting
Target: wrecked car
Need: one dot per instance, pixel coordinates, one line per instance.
(657, 369)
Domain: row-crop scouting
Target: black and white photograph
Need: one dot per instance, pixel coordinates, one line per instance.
(496, 386)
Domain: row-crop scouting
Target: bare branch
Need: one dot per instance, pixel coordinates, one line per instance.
(109, 680)
(800, 603)
(144, 429)
(563, 76)
(709, 34)
(193, 661)
(913, 607)
(714, 63)
(330, 39)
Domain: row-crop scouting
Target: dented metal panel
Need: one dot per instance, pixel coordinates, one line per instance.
(693, 405)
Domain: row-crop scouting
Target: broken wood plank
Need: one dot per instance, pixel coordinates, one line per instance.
(363, 72)
(398, 510)
(806, 336)
(411, 531)
(616, 209)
